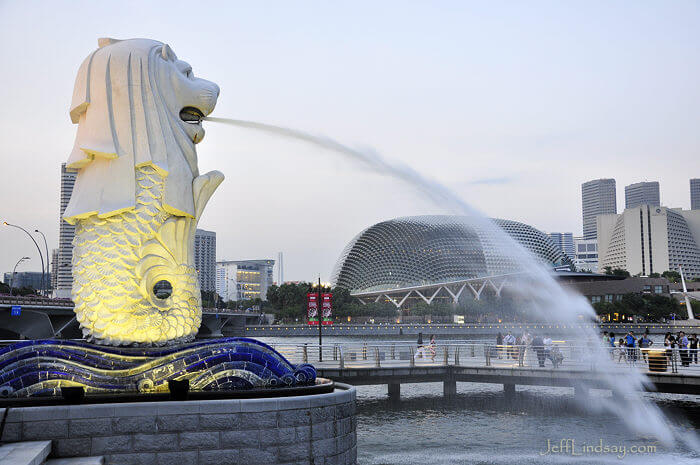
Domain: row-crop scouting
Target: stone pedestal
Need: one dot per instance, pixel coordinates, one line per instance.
(311, 429)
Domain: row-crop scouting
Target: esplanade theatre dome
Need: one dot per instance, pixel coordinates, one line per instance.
(423, 250)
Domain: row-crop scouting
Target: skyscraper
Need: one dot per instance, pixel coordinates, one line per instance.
(565, 241)
(642, 193)
(598, 197)
(695, 194)
(645, 240)
(66, 232)
(205, 258)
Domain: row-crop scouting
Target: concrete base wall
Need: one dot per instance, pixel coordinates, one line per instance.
(317, 429)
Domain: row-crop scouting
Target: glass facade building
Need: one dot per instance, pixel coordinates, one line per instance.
(642, 193)
(422, 250)
(598, 197)
(695, 194)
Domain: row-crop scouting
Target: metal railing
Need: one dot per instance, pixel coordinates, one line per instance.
(558, 356)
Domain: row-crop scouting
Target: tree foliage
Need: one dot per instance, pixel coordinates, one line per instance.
(652, 307)
(617, 272)
(672, 276)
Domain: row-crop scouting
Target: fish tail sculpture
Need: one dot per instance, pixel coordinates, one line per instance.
(138, 194)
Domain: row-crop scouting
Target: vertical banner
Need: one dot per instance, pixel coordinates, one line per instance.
(327, 308)
(312, 308)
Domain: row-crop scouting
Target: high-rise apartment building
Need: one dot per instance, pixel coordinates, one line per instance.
(244, 279)
(642, 193)
(646, 239)
(205, 258)
(598, 197)
(695, 194)
(66, 232)
(586, 258)
(565, 241)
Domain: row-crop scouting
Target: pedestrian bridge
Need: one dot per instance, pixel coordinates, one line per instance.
(397, 363)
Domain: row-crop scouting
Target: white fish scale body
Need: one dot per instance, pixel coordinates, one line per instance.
(116, 262)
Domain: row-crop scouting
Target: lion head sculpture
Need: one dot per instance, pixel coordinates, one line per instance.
(135, 104)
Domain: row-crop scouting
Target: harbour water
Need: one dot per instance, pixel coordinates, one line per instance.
(480, 426)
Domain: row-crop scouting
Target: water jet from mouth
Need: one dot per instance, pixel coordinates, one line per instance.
(548, 299)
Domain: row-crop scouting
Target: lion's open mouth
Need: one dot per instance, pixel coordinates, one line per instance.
(191, 115)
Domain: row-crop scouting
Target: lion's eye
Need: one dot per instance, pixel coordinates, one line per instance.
(188, 73)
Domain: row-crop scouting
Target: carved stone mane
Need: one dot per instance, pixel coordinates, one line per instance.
(128, 116)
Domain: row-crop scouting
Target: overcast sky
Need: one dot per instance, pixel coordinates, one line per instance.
(510, 104)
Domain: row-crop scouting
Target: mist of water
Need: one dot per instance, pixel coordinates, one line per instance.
(542, 295)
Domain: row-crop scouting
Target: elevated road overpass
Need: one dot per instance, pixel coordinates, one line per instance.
(41, 318)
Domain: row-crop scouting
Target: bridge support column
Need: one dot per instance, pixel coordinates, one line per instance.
(509, 390)
(449, 388)
(394, 392)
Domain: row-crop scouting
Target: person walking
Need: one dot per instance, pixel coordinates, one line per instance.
(645, 343)
(610, 342)
(621, 350)
(670, 344)
(683, 344)
(538, 347)
(693, 348)
(630, 342)
(547, 342)
(420, 350)
(432, 347)
(499, 344)
(509, 342)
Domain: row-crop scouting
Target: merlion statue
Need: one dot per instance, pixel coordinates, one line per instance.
(138, 194)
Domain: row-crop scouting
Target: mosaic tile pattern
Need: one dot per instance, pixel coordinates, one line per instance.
(42, 367)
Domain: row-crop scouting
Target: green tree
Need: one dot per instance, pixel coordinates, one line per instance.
(672, 276)
(616, 272)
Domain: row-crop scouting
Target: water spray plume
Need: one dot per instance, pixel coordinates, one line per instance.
(541, 294)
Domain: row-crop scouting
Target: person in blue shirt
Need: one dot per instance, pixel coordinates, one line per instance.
(645, 343)
(683, 349)
(631, 351)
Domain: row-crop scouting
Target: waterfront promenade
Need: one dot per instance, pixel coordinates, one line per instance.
(397, 363)
(466, 329)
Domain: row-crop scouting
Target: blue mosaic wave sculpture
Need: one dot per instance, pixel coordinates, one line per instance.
(42, 367)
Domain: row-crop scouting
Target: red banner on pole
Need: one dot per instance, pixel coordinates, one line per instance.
(327, 308)
(312, 307)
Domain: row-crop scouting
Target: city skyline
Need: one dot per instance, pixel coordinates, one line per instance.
(442, 102)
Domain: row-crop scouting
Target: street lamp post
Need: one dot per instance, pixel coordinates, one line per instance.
(46, 246)
(14, 270)
(319, 310)
(37, 248)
